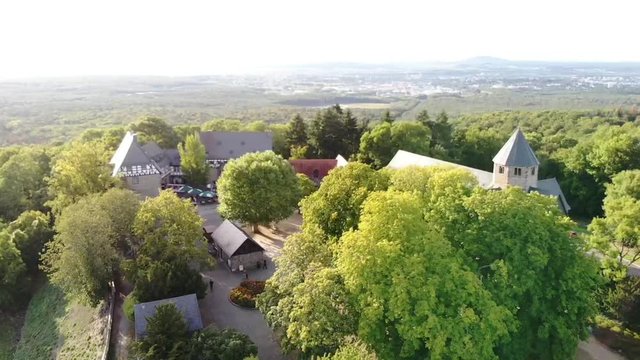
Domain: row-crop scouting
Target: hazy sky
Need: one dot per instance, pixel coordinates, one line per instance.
(183, 37)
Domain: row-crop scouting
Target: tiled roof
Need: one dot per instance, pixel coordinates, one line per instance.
(187, 304)
(231, 145)
(552, 187)
(516, 152)
(229, 237)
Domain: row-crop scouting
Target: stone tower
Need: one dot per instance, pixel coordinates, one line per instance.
(515, 164)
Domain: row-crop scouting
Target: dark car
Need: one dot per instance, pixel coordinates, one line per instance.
(183, 191)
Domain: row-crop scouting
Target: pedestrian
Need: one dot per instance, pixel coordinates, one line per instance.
(265, 263)
(246, 275)
(211, 284)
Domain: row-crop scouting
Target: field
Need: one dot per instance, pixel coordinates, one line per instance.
(56, 328)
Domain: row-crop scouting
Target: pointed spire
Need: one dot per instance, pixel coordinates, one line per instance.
(516, 152)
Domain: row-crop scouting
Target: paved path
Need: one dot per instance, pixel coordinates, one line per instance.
(592, 349)
(121, 327)
(216, 308)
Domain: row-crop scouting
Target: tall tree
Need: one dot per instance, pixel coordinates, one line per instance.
(327, 133)
(23, 183)
(417, 298)
(387, 118)
(352, 134)
(121, 206)
(297, 133)
(228, 344)
(193, 156)
(80, 169)
(617, 234)
(424, 118)
(82, 257)
(30, 232)
(153, 129)
(380, 144)
(12, 272)
(258, 188)
(335, 207)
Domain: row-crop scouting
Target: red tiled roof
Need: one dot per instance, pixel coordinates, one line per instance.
(316, 169)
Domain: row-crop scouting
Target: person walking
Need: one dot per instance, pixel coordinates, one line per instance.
(210, 284)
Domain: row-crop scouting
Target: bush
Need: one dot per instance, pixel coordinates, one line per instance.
(621, 301)
(129, 305)
(227, 344)
(245, 294)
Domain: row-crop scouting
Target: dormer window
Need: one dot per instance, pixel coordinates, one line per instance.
(500, 169)
(517, 171)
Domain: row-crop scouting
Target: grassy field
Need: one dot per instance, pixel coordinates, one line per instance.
(56, 328)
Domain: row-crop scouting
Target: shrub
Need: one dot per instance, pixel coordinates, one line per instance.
(245, 294)
(129, 305)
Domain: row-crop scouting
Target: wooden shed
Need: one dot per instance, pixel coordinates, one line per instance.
(236, 248)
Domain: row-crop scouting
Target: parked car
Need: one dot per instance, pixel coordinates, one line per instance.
(207, 197)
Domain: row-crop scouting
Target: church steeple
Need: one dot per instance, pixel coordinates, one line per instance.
(516, 164)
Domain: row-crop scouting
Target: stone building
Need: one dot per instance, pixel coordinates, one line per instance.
(514, 165)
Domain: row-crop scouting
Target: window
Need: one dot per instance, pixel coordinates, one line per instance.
(316, 174)
(517, 171)
(135, 180)
(533, 170)
(501, 169)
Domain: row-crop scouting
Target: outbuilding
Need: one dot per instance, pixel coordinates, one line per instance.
(236, 248)
(187, 305)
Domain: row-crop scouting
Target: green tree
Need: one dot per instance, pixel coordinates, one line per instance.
(227, 344)
(380, 144)
(82, 257)
(297, 133)
(222, 125)
(185, 130)
(153, 129)
(80, 169)
(258, 125)
(417, 298)
(335, 207)
(423, 118)
(299, 152)
(322, 312)
(352, 133)
(352, 349)
(520, 246)
(258, 188)
(167, 335)
(617, 234)
(22, 182)
(476, 148)
(193, 156)
(121, 207)
(279, 133)
(387, 118)
(307, 186)
(167, 229)
(161, 280)
(327, 133)
(30, 232)
(12, 272)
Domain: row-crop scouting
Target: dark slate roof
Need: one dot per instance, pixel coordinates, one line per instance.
(551, 187)
(131, 160)
(516, 152)
(187, 304)
(230, 238)
(231, 145)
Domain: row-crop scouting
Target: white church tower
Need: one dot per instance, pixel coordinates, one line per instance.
(515, 164)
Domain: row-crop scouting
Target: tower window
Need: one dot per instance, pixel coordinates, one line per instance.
(533, 170)
(517, 171)
(501, 169)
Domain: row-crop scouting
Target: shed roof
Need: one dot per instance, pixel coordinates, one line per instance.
(516, 152)
(231, 145)
(230, 237)
(314, 168)
(187, 304)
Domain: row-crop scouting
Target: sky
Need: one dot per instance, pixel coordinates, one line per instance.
(188, 37)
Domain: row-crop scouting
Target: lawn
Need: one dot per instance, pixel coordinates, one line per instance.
(57, 328)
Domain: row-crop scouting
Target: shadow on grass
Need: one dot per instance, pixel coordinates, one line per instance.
(40, 336)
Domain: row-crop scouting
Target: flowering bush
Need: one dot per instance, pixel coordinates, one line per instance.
(245, 294)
